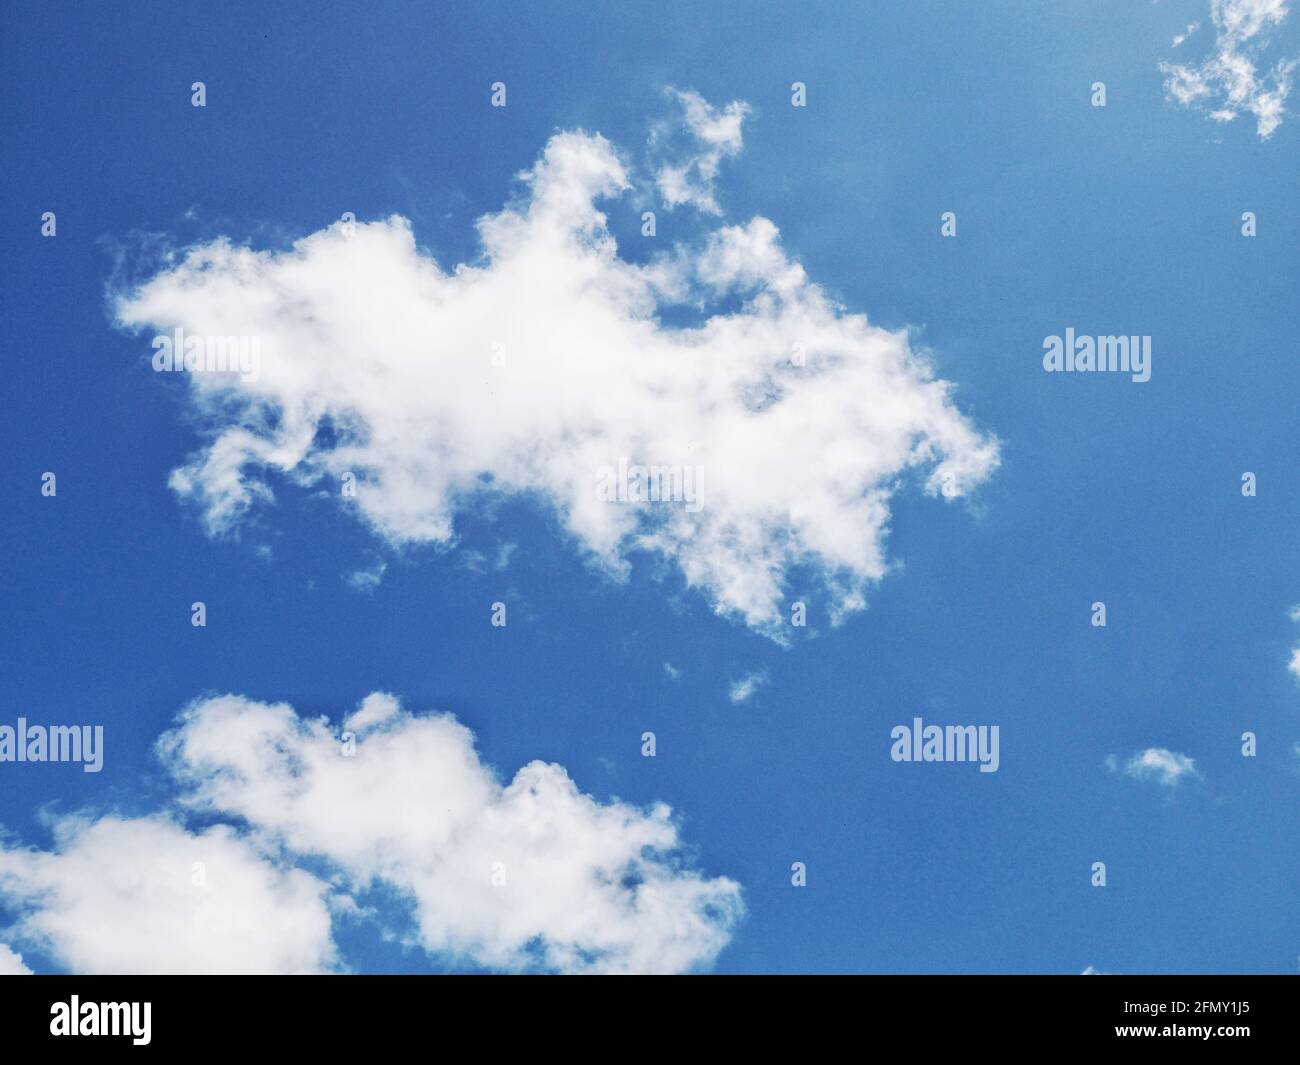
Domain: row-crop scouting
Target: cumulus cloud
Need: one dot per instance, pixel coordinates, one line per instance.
(547, 365)
(529, 874)
(145, 895)
(11, 964)
(1165, 767)
(1228, 82)
(743, 690)
(691, 150)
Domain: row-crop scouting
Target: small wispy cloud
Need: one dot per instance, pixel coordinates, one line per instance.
(1228, 82)
(1294, 664)
(1160, 764)
(366, 580)
(744, 689)
(672, 671)
(477, 562)
(686, 171)
(1192, 27)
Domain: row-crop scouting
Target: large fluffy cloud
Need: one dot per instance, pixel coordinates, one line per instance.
(144, 895)
(1228, 82)
(527, 875)
(539, 368)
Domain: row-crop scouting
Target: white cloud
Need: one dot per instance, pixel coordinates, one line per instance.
(1192, 27)
(367, 580)
(744, 689)
(125, 896)
(547, 362)
(587, 887)
(686, 171)
(1157, 763)
(11, 964)
(528, 875)
(478, 563)
(1228, 82)
(1294, 664)
(672, 671)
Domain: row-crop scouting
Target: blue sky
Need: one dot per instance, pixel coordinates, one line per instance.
(1117, 220)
